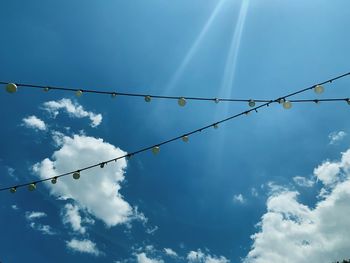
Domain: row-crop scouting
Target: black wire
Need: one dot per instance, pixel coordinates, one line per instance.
(266, 104)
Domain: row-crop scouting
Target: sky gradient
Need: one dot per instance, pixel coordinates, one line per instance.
(232, 194)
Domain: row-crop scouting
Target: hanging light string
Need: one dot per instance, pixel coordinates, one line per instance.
(185, 137)
(13, 87)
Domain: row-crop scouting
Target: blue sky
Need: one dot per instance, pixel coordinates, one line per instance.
(267, 174)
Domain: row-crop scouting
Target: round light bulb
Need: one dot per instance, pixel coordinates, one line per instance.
(76, 175)
(148, 98)
(287, 105)
(251, 103)
(182, 102)
(318, 89)
(78, 93)
(185, 138)
(54, 180)
(216, 100)
(13, 190)
(31, 187)
(155, 150)
(11, 88)
(113, 95)
(46, 89)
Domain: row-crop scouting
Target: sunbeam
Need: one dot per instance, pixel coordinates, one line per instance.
(231, 62)
(194, 47)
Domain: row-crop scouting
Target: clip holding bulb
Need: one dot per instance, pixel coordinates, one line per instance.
(13, 190)
(113, 95)
(216, 126)
(216, 100)
(54, 180)
(185, 138)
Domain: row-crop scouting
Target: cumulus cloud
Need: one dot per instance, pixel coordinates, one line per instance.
(83, 246)
(97, 190)
(170, 252)
(142, 258)
(73, 109)
(292, 232)
(238, 198)
(201, 257)
(302, 181)
(34, 122)
(335, 137)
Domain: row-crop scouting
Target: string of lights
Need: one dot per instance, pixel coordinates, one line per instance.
(182, 100)
(287, 104)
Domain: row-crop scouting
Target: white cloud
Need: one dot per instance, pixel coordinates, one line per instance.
(44, 229)
(71, 216)
(327, 172)
(335, 137)
(142, 258)
(11, 172)
(73, 109)
(292, 232)
(97, 190)
(239, 198)
(34, 122)
(201, 257)
(83, 246)
(302, 181)
(34, 215)
(170, 252)
(14, 207)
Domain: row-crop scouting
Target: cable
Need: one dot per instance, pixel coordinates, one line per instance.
(156, 147)
(12, 87)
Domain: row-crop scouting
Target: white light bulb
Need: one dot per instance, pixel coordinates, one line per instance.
(13, 190)
(113, 95)
(76, 175)
(155, 150)
(31, 187)
(318, 89)
(78, 93)
(148, 98)
(11, 88)
(216, 100)
(185, 138)
(251, 103)
(287, 105)
(182, 102)
(46, 89)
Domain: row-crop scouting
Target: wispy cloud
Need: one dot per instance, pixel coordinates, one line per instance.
(35, 215)
(302, 181)
(335, 137)
(73, 109)
(239, 199)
